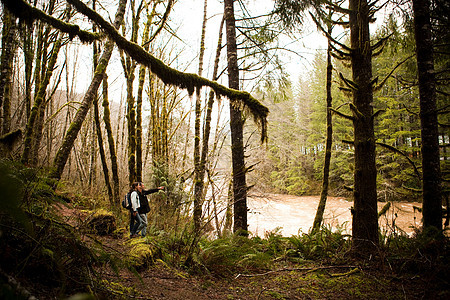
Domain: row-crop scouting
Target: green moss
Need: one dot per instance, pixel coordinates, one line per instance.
(102, 212)
(120, 289)
(28, 13)
(275, 295)
(143, 253)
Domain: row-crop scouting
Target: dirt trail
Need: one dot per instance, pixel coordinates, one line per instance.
(293, 213)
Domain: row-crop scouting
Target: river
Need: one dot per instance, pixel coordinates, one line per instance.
(295, 214)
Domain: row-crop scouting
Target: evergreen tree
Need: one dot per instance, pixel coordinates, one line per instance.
(236, 125)
(432, 199)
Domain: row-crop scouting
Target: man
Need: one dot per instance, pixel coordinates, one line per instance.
(143, 208)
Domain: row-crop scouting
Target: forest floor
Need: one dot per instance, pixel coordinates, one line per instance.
(308, 280)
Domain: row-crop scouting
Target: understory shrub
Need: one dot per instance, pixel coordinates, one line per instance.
(321, 244)
(39, 250)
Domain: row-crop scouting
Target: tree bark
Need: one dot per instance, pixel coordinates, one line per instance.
(129, 68)
(28, 51)
(431, 181)
(199, 169)
(365, 220)
(9, 47)
(109, 133)
(47, 73)
(141, 80)
(102, 152)
(236, 125)
(72, 133)
(98, 128)
(33, 132)
(328, 144)
(207, 126)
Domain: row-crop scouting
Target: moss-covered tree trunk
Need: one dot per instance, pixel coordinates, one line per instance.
(98, 128)
(229, 211)
(365, 220)
(199, 168)
(9, 46)
(33, 131)
(432, 194)
(91, 155)
(140, 91)
(28, 51)
(49, 68)
(109, 133)
(72, 133)
(154, 120)
(328, 143)
(236, 125)
(129, 67)
(131, 125)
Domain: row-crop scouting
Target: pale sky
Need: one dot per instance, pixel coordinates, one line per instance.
(186, 18)
(189, 14)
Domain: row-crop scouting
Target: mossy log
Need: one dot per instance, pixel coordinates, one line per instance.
(102, 223)
(143, 253)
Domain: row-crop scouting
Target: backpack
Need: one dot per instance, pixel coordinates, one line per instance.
(126, 202)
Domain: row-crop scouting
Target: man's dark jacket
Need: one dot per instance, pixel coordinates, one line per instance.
(144, 207)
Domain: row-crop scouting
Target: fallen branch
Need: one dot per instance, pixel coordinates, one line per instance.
(352, 271)
(309, 270)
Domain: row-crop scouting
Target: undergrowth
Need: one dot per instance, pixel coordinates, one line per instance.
(39, 248)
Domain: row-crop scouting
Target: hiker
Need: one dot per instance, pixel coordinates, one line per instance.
(135, 219)
(142, 207)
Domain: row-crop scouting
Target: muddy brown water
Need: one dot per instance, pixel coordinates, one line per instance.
(295, 214)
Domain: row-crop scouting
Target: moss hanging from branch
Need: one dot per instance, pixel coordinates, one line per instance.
(28, 13)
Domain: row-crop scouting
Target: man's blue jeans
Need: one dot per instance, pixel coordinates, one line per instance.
(143, 226)
(135, 222)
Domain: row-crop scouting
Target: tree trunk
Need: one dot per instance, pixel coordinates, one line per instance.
(365, 220)
(9, 47)
(72, 133)
(207, 126)
(102, 152)
(129, 67)
(112, 149)
(236, 125)
(92, 135)
(47, 73)
(432, 195)
(131, 121)
(142, 70)
(98, 128)
(229, 211)
(199, 168)
(328, 144)
(28, 50)
(33, 131)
